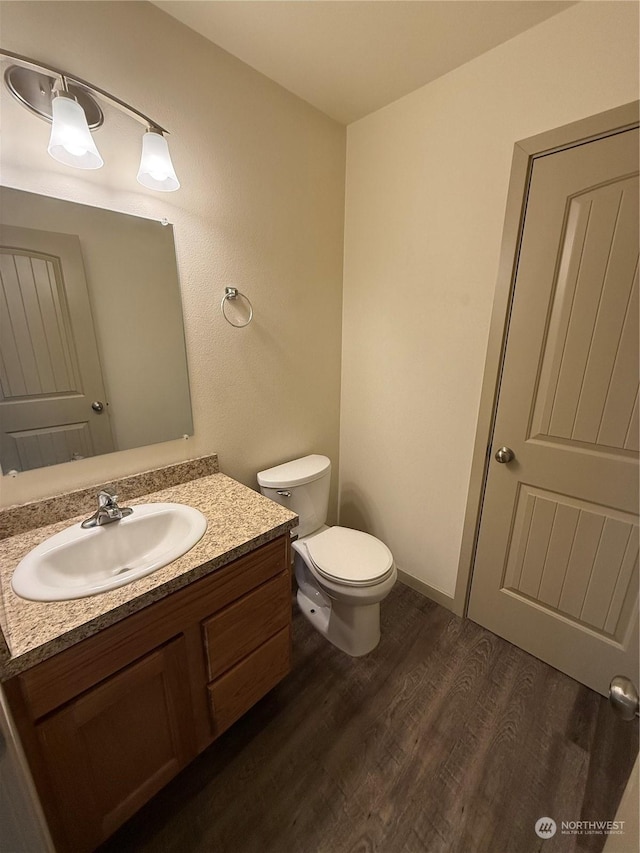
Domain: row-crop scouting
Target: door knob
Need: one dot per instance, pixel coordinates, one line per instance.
(505, 454)
(623, 697)
(97, 406)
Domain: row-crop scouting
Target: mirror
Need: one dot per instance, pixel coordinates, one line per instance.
(92, 350)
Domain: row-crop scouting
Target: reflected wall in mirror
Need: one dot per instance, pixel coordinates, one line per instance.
(92, 350)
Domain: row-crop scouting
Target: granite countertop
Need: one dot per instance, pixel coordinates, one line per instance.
(239, 520)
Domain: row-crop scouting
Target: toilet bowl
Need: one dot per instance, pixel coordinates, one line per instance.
(342, 574)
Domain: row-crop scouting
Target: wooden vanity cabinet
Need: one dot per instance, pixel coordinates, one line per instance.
(108, 722)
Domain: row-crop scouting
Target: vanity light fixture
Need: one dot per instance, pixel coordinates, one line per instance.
(70, 104)
(71, 142)
(156, 169)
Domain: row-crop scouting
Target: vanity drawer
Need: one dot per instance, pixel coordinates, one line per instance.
(247, 682)
(240, 628)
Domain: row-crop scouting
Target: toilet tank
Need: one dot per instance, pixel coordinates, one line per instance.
(301, 485)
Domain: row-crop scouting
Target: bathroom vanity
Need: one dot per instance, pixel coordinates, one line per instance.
(121, 702)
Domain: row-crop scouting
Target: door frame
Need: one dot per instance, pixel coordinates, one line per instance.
(525, 152)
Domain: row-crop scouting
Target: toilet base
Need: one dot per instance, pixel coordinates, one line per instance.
(353, 629)
(315, 612)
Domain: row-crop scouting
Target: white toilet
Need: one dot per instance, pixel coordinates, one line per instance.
(342, 574)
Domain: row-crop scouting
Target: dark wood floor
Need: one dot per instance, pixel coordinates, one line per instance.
(446, 739)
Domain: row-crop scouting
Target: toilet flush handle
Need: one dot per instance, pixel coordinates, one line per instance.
(283, 493)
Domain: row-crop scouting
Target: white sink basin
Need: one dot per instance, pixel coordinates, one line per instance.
(77, 563)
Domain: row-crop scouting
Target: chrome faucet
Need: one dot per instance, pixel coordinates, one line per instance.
(108, 510)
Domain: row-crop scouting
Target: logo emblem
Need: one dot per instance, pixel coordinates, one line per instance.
(545, 827)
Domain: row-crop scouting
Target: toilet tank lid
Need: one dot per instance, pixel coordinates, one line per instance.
(295, 473)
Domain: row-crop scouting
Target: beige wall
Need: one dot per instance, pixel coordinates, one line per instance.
(261, 207)
(427, 181)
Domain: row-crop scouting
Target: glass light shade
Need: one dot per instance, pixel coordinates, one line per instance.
(71, 142)
(156, 169)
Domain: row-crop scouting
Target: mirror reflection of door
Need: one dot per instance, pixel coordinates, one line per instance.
(50, 372)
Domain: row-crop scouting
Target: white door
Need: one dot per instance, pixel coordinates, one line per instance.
(556, 568)
(50, 374)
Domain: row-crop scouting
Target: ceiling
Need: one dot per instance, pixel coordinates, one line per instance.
(351, 57)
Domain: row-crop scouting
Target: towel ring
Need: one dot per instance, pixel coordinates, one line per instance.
(231, 293)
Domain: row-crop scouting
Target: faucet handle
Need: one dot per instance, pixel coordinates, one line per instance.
(107, 498)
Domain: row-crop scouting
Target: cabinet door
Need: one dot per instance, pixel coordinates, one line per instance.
(115, 746)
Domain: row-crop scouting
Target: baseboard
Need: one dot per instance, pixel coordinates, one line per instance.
(428, 591)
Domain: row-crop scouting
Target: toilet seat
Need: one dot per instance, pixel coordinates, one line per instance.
(350, 557)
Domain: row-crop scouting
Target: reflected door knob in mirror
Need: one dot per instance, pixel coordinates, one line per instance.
(97, 406)
(505, 454)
